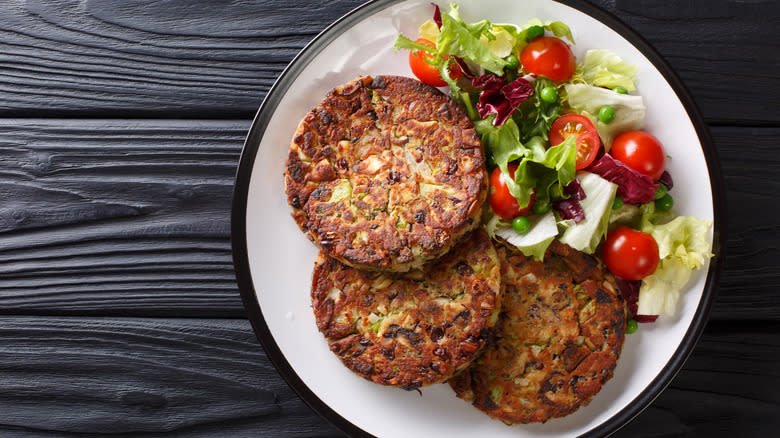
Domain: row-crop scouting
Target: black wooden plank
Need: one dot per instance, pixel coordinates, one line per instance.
(117, 216)
(68, 377)
(147, 58)
(143, 377)
(131, 217)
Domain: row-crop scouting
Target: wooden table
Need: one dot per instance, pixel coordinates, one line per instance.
(122, 123)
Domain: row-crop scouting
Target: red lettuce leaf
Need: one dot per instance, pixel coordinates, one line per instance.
(436, 14)
(633, 187)
(666, 179)
(574, 189)
(499, 97)
(570, 209)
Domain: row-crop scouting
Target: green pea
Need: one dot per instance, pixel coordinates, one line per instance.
(521, 225)
(665, 203)
(549, 94)
(617, 203)
(620, 90)
(541, 207)
(512, 62)
(606, 114)
(631, 326)
(533, 33)
(661, 191)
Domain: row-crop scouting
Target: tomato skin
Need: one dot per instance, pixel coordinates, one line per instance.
(587, 137)
(640, 151)
(549, 57)
(426, 72)
(630, 254)
(501, 201)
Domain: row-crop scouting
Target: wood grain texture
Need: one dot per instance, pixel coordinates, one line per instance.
(151, 58)
(150, 377)
(201, 378)
(117, 216)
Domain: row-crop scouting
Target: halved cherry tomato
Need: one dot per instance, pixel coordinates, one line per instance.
(640, 151)
(630, 254)
(549, 57)
(501, 201)
(426, 72)
(585, 134)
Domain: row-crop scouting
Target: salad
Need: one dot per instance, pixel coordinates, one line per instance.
(566, 152)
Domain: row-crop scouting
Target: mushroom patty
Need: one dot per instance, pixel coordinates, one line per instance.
(559, 336)
(412, 329)
(386, 173)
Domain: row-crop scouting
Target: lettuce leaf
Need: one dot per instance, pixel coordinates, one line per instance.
(684, 239)
(533, 243)
(683, 247)
(461, 39)
(586, 235)
(604, 68)
(629, 109)
(544, 170)
(659, 292)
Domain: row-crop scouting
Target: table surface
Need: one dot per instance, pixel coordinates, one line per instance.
(121, 124)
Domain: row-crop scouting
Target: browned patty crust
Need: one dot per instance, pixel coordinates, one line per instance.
(559, 336)
(412, 329)
(386, 173)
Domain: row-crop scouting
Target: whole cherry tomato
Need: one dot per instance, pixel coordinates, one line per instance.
(640, 151)
(501, 201)
(585, 134)
(630, 254)
(549, 57)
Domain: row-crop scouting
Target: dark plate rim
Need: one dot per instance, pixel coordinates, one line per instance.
(249, 153)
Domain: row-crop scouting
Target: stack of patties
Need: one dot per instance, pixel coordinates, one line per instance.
(386, 176)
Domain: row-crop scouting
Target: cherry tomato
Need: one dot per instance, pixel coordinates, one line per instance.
(501, 201)
(630, 254)
(549, 57)
(585, 134)
(640, 151)
(426, 72)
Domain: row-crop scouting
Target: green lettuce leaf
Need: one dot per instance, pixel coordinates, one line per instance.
(546, 170)
(586, 235)
(604, 68)
(660, 292)
(683, 247)
(684, 238)
(533, 243)
(458, 38)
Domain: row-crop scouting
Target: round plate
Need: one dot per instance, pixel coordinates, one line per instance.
(273, 258)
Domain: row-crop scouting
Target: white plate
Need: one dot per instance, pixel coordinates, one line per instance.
(274, 259)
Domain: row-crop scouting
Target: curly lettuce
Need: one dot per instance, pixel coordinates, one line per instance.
(683, 247)
(604, 68)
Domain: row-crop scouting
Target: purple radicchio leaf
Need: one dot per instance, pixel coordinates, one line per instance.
(570, 209)
(633, 187)
(630, 291)
(498, 97)
(574, 189)
(666, 179)
(465, 68)
(436, 14)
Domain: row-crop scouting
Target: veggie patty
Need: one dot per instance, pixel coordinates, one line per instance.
(559, 337)
(412, 329)
(386, 173)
